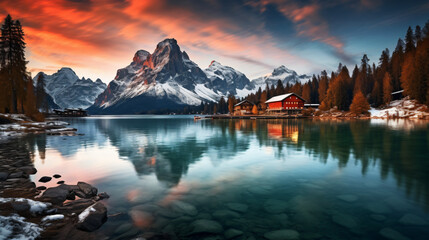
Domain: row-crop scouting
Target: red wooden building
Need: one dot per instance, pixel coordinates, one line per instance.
(289, 103)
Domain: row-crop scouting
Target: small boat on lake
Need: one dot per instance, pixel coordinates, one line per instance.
(197, 117)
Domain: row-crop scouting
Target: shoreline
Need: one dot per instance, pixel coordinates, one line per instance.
(61, 212)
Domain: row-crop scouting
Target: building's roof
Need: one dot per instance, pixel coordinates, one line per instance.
(280, 98)
(75, 109)
(400, 91)
(311, 105)
(244, 101)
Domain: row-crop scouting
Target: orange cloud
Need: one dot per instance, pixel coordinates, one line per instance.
(98, 38)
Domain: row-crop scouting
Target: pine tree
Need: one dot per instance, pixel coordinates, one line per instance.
(41, 102)
(323, 86)
(263, 99)
(279, 88)
(425, 31)
(377, 94)
(231, 103)
(222, 106)
(418, 35)
(387, 88)
(410, 44)
(362, 80)
(359, 104)
(255, 110)
(215, 109)
(13, 66)
(338, 90)
(306, 92)
(396, 65)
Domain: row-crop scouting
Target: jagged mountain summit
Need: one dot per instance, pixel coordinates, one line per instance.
(283, 74)
(69, 91)
(228, 81)
(165, 80)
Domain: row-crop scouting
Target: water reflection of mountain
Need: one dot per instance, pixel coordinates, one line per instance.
(167, 147)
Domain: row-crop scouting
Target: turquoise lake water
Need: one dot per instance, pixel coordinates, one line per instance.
(248, 179)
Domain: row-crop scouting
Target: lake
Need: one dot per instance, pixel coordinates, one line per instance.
(248, 179)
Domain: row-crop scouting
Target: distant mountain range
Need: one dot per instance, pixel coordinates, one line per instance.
(166, 79)
(68, 91)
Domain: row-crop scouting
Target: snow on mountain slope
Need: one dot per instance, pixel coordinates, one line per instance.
(167, 77)
(68, 91)
(227, 80)
(283, 74)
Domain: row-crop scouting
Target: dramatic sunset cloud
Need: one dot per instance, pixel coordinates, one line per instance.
(96, 38)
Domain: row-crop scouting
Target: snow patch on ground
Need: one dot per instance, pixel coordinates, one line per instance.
(404, 108)
(15, 227)
(54, 217)
(83, 215)
(36, 207)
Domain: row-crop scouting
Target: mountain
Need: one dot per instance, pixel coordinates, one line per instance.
(68, 91)
(283, 74)
(226, 80)
(165, 80)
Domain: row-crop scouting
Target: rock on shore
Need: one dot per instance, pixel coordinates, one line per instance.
(25, 216)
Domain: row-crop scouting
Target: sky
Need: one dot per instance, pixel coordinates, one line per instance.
(97, 37)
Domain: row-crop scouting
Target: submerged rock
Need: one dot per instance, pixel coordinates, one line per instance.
(206, 226)
(103, 195)
(225, 214)
(92, 217)
(184, 207)
(238, 207)
(275, 206)
(232, 233)
(345, 220)
(284, 234)
(123, 228)
(391, 234)
(378, 208)
(410, 219)
(45, 179)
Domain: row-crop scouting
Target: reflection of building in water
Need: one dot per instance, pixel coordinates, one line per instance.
(281, 131)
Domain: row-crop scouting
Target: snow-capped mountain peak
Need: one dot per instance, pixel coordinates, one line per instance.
(166, 78)
(169, 79)
(281, 70)
(227, 80)
(282, 73)
(68, 91)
